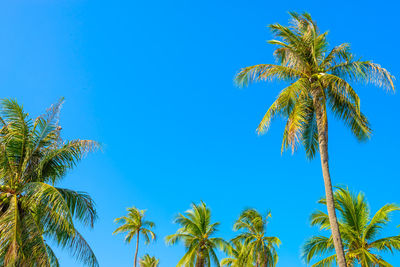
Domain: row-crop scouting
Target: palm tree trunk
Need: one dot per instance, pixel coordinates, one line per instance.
(258, 262)
(322, 125)
(200, 260)
(137, 247)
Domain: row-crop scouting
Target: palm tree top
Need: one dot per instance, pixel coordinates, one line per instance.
(303, 52)
(197, 232)
(197, 220)
(253, 221)
(259, 249)
(134, 223)
(304, 60)
(148, 261)
(361, 231)
(32, 208)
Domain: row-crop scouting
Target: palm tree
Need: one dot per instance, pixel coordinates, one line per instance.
(33, 210)
(135, 224)
(148, 261)
(196, 232)
(361, 233)
(318, 79)
(238, 256)
(259, 247)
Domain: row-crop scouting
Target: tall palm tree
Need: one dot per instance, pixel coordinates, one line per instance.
(134, 224)
(361, 233)
(196, 232)
(260, 247)
(318, 79)
(238, 256)
(33, 210)
(148, 261)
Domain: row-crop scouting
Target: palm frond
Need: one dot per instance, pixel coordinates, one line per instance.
(284, 104)
(364, 71)
(10, 233)
(357, 230)
(78, 247)
(379, 220)
(80, 204)
(197, 233)
(265, 72)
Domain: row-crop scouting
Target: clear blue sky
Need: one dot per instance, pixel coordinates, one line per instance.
(152, 81)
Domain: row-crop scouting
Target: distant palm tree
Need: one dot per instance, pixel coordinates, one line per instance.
(238, 256)
(318, 79)
(33, 210)
(148, 261)
(135, 224)
(196, 232)
(361, 233)
(260, 248)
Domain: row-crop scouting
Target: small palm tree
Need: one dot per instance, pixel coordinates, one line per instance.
(238, 256)
(319, 79)
(148, 261)
(361, 233)
(33, 210)
(196, 232)
(134, 224)
(259, 247)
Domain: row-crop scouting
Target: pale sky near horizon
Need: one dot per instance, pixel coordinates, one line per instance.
(153, 82)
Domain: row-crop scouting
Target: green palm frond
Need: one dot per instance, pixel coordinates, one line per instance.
(34, 242)
(149, 261)
(197, 234)
(310, 130)
(364, 71)
(358, 231)
(80, 204)
(327, 262)
(317, 246)
(33, 157)
(78, 247)
(390, 244)
(265, 72)
(10, 235)
(336, 55)
(134, 223)
(56, 161)
(255, 247)
(295, 125)
(284, 104)
(58, 216)
(52, 257)
(379, 220)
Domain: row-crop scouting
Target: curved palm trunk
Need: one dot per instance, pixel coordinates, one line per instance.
(322, 125)
(137, 247)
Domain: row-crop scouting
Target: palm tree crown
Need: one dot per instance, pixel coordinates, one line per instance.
(134, 224)
(315, 75)
(361, 233)
(33, 211)
(149, 261)
(238, 256)
(259, 248)
(196, 232)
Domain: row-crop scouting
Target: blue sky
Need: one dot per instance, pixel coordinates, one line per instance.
(152, 81)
